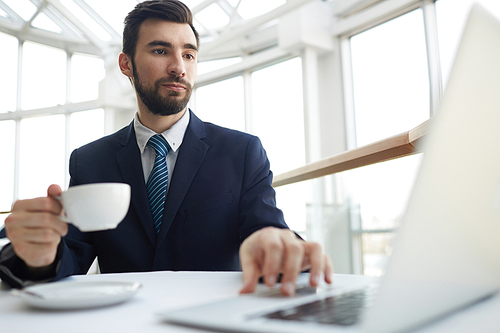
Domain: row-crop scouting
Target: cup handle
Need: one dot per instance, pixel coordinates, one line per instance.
(63, 217)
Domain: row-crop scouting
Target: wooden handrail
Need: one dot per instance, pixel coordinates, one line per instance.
(404, 144)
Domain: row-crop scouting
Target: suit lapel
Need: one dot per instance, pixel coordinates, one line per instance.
(191, 155)
(129, 161)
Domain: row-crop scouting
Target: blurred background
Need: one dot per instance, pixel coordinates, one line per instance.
(311, 78)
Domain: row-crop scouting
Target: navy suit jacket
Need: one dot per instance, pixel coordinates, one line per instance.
(220, 193)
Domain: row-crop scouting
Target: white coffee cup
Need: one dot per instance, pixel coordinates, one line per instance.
(94, 207)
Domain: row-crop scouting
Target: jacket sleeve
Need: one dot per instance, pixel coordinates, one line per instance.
(258, 199)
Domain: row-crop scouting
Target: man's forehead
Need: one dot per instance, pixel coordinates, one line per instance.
(172, 32)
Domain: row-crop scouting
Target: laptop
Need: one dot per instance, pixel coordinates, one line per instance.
(446, 254)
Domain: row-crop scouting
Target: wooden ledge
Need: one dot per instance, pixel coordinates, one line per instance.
(401, 145)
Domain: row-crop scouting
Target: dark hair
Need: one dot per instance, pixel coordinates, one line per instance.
(168, 10)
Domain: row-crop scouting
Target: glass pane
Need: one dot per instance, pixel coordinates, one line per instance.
(278, 120)
(44, 76)
(278, 114)
(212, 17)
(451, 18)
(42, 155)
(24, 8)
(86, 73)
(86, 19)
(390, 78)
(228, 113)
(377, 249)
(292, 200)
(252, 8)
(86, 126)
(7, 151)
(209, 66)
(113, 11)
(192, 3)
(8, 84)
(42, 21)
(381, 191)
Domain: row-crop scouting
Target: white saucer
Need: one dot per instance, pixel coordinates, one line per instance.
(69, 295)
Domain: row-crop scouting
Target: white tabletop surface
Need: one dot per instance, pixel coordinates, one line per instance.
(172, 290)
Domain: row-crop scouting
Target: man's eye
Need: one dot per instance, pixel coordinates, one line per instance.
(189, 56)
(159, 51)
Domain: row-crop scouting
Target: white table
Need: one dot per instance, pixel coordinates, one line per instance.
(173, 290)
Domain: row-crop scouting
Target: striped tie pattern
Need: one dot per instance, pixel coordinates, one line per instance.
(158, 179)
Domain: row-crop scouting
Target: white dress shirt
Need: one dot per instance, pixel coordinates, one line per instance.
(173, 135)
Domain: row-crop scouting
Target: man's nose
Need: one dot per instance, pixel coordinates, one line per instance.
(176, 66)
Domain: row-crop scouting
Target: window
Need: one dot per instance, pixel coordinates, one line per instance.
(42, 155)
(278, 120)
(222, 103)
(7, 151)
(47, 133)
(9, 73)
(390, 78)
(43, 81)
(86, 73)
(391, 95)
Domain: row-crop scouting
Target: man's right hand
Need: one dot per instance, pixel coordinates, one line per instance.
(35, 230)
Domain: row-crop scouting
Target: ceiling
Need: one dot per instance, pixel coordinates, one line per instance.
(227, 27)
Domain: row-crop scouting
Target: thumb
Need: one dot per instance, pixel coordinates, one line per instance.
(54, 190)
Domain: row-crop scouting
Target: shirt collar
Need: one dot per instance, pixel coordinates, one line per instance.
(173, 135)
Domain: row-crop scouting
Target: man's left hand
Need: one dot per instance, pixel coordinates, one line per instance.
(270, 251)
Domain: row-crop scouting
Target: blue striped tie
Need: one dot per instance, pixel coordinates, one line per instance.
(158, 179)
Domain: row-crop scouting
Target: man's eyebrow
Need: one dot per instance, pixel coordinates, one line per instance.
(191, 46)
(160, 43)
(169, 45)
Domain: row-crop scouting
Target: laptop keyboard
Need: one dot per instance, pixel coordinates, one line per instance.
(341, 309)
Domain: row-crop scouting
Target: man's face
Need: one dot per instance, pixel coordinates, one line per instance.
(164, 66)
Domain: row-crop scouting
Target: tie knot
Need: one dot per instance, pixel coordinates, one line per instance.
(159, 144)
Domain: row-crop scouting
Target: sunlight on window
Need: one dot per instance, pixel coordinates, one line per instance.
(379, 194)
(192, 3)
(212, 17)
(252, 8)
(42, 21)
(113, 11)
(222, 103)
(86, 126)
(44, 76)
(23, 8)
(41, 155)
(390, 78)
(9, 73)
(278, 115)
(209, 66)
(7, 151)
(382, 191)
(391, 95)
(86, 19)
(86, 73)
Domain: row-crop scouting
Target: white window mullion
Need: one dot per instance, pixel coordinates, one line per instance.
(17, 153)
(67, 135)
(247, 86)
(433, 59)
(350, 118)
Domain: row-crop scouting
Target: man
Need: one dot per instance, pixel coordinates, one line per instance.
(219, 194)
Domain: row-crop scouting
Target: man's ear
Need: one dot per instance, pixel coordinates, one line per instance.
(125, 63)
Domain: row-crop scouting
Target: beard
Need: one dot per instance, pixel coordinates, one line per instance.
(158, 104)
